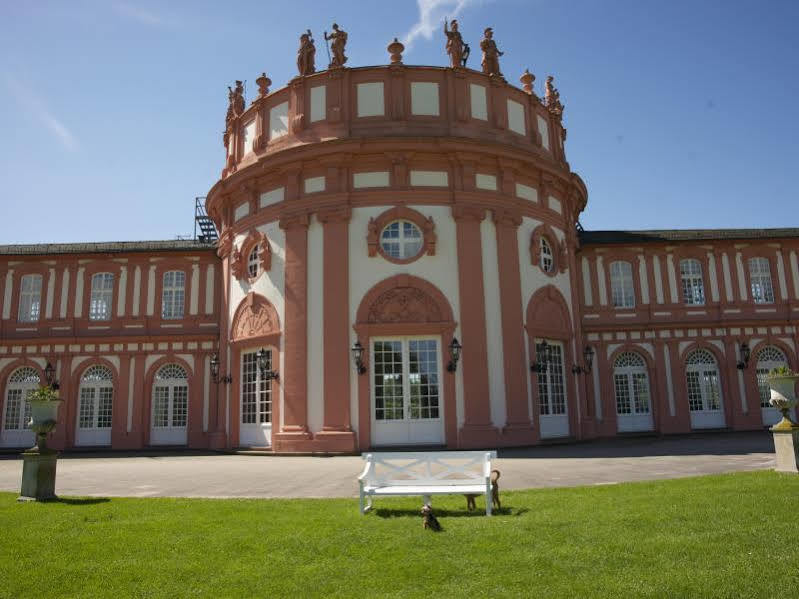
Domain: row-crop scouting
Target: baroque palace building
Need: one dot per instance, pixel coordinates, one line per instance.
(399, 262)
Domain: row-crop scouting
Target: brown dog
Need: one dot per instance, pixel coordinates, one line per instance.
(429, 520)
(470, 505)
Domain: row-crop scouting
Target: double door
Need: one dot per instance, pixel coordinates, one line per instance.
(255, 427)
(407, 398)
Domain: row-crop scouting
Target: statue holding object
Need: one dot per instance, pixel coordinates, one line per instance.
(457, 50)
(491, 53)
(552, 98)
(338, 37)
(306, 54)
(235, 103)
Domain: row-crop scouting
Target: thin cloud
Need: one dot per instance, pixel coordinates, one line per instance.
(36, 107)
(138, 14)
(431, 18)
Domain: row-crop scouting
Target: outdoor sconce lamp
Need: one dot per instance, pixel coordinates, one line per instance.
(266, 375)
(49, 376)
(357, 356)
(227, 379)
(454, 355)
(542, 354)
(745, 353)
(588, 356)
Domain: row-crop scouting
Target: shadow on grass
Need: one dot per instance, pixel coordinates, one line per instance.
(399, 513)
(80, 500)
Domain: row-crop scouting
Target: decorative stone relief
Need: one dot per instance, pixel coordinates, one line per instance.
(255, 317)
(404, 304)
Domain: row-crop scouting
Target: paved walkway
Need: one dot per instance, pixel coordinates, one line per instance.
(217, 475)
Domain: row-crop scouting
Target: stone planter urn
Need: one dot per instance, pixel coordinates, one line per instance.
(786, 432)
(39, 462)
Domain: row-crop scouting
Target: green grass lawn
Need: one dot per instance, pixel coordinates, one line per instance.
(716, 536)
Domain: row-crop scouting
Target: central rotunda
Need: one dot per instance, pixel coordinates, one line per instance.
(398, 245)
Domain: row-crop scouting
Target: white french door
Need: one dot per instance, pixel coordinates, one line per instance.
(17, 410)
(553, 411)
(95, 407)
(704, 391)
(407, 404)
(631, 388)
(256, 402)
(170, 407)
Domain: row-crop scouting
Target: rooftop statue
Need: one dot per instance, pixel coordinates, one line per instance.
(338, 37)
(235, 102)
(552, 98)
(457, 50)
(306, 54)
(491, 53)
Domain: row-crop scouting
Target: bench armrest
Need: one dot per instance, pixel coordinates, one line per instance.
(367, 471)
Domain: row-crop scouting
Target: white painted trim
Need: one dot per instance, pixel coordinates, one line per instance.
(151, 291)
(781, 277)
(587, 291)
(123, 288)
(370, 179)
(601, 286)
(272, 196)
(278, 120)
(209, 289)
(643, 278)
(424, 98)
(318, 103)
(478, 101)
(62, 311)
(48, 311)
(136, 290)
(672, 278)
(79, 293)
(370, 100)
(713, 276)
(516, 121)
(483, 181)
(741, 276)
(725, 266)
(526, 192)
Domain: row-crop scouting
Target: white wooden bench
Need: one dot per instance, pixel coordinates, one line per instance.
(426, 473)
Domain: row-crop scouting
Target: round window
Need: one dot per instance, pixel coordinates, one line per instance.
(401, 239)
(253, 262)
(547, 259)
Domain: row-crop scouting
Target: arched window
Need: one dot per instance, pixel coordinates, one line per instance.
(693, 286)
(170, 406)
(760, 280)
(621, 284)
(173, 294)
(30, 298)
(401, 239)
(101, 296)
(18, 411)
(631, 384)
(254, 261)
(547, 259)
(767, 358)
(95, 406)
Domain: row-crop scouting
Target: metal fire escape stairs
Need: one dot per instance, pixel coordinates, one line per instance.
(203, 222)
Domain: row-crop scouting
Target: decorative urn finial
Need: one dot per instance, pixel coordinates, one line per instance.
(527, 79)
(263, 83)
(395, 49)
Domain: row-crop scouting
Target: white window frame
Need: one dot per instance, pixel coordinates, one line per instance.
(621, 284)
(102, 296)
(171, 384)
(762, 369)
(693, 283)
(173, 295)
(708, 376)
(760, 280)
(30, 298)
(551, 400)
(408, 247)
(261, 392)
(20, 383)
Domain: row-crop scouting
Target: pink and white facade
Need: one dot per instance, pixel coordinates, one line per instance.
(399, 207)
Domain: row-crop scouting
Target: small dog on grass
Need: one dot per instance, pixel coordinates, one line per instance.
(470, 505)
(429, 520)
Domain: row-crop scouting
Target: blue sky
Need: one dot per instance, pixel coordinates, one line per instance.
(680, 114)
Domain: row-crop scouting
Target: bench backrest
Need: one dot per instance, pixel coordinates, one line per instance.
(428, 467)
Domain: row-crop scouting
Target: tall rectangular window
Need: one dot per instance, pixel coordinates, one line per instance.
(30, 298)
(760, 278)
(693, 287)
(102, 296)
(173, 294)
(621, 284)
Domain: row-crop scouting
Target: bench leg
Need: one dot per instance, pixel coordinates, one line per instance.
(368, 506)
(426, 499)
(488, 504)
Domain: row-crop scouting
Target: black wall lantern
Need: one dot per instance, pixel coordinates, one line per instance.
(49, 376)
(266, 375)
(542, 355)
(588, 356)
(227, 379)
(745, 353)
(454, 354)
(357, 356)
